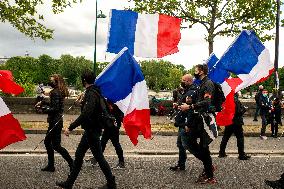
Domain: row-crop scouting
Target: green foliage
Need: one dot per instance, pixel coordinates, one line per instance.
(27, 83)
(23, 15)
(219, 17)
(161, 75)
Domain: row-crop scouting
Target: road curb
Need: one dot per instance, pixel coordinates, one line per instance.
(161, 133)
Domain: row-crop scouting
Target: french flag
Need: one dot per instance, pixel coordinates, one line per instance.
(123, 83)
(145, 35)
(10, 130)
(248, 58)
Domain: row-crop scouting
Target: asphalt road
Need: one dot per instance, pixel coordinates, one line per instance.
(23, 172)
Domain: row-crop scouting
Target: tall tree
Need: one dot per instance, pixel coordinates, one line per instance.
(218, 17)
(23, 15)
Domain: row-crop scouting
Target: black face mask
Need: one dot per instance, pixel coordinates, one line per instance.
(183, 84)
(52, 84)
(197, 76)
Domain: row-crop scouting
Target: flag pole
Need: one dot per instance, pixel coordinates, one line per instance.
(95, 51)
(276, 47)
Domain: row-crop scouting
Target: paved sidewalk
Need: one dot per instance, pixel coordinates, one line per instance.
(160, 145)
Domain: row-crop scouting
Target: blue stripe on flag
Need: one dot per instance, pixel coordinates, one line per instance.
(117, 81)
(243, 54)
(216, 74)
(122, 31)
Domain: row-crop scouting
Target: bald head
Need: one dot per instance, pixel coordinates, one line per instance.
(186, 80)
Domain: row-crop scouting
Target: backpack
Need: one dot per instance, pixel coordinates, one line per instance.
(105, 118)
(218, 97)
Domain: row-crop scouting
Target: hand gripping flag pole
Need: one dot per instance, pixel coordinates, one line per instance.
(57, 122)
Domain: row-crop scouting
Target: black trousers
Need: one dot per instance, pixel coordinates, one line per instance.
(112, 134)
(52, 142)
(199, 150)
(90, 139)
(238, 131)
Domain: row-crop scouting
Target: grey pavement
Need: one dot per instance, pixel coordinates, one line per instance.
(23, 172)
(159, 145)
(68, 118)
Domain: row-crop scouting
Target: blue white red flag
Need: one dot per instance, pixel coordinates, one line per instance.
(123, 83)
(145, 35)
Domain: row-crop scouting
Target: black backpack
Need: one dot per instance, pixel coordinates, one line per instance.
(218, 97)
(105, 118)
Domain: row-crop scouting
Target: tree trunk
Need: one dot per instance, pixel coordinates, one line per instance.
(210, 48)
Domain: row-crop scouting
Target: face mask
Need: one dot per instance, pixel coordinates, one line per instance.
(183, 85)
(197, 76)
(265, 95)
(52, 84)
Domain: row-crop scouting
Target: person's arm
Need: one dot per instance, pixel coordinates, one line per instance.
(87, 111)
(206, 102)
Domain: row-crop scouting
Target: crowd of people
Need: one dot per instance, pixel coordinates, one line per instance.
(194, 116)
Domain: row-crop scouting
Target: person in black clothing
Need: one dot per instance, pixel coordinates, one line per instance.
(201, 150)
(112, 134)
(237, 129)
(55, 109)
(276, 116)
(189, 90)
(277, 184)
(89, 121)
(257, 96)
(265, 110)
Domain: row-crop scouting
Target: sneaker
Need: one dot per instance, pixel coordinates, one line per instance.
(206, 180)
(274, 184)
(64, 185)
(222, 155)
(177, 168)
(120, 165)
(202, 176)
(263, 137)
(48, 168)
(244, 157)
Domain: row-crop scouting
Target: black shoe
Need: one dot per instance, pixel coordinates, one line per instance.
(222, 155)
(109, 185)
(275, 184)
(255, 120)
(177, 168)
(48, 169)
(275, 136)
(64, 185)
(244, 157)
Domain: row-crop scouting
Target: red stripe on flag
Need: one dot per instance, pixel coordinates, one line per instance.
(225, 117)
(135, 122)
(10, 131)
(168, 35)
(7, 85)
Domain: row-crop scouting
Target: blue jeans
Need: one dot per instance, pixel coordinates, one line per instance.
(182, 142)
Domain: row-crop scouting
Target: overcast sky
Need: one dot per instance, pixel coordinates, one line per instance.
(74, 34)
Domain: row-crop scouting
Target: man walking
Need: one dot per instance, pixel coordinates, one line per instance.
(257, 96)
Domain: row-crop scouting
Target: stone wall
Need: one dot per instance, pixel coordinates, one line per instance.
(22, 105)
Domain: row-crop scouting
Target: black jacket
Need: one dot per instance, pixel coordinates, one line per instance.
(203, 101)
(239, 112)
(91, 109)
(55, 107)
(264, 104)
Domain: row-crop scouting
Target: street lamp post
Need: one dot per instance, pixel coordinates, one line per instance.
(101, 15)
(276, 46)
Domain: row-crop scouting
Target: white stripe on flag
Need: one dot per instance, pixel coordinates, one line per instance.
(145, 44)
(138, 99)
(259, 71)
(4, 110)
